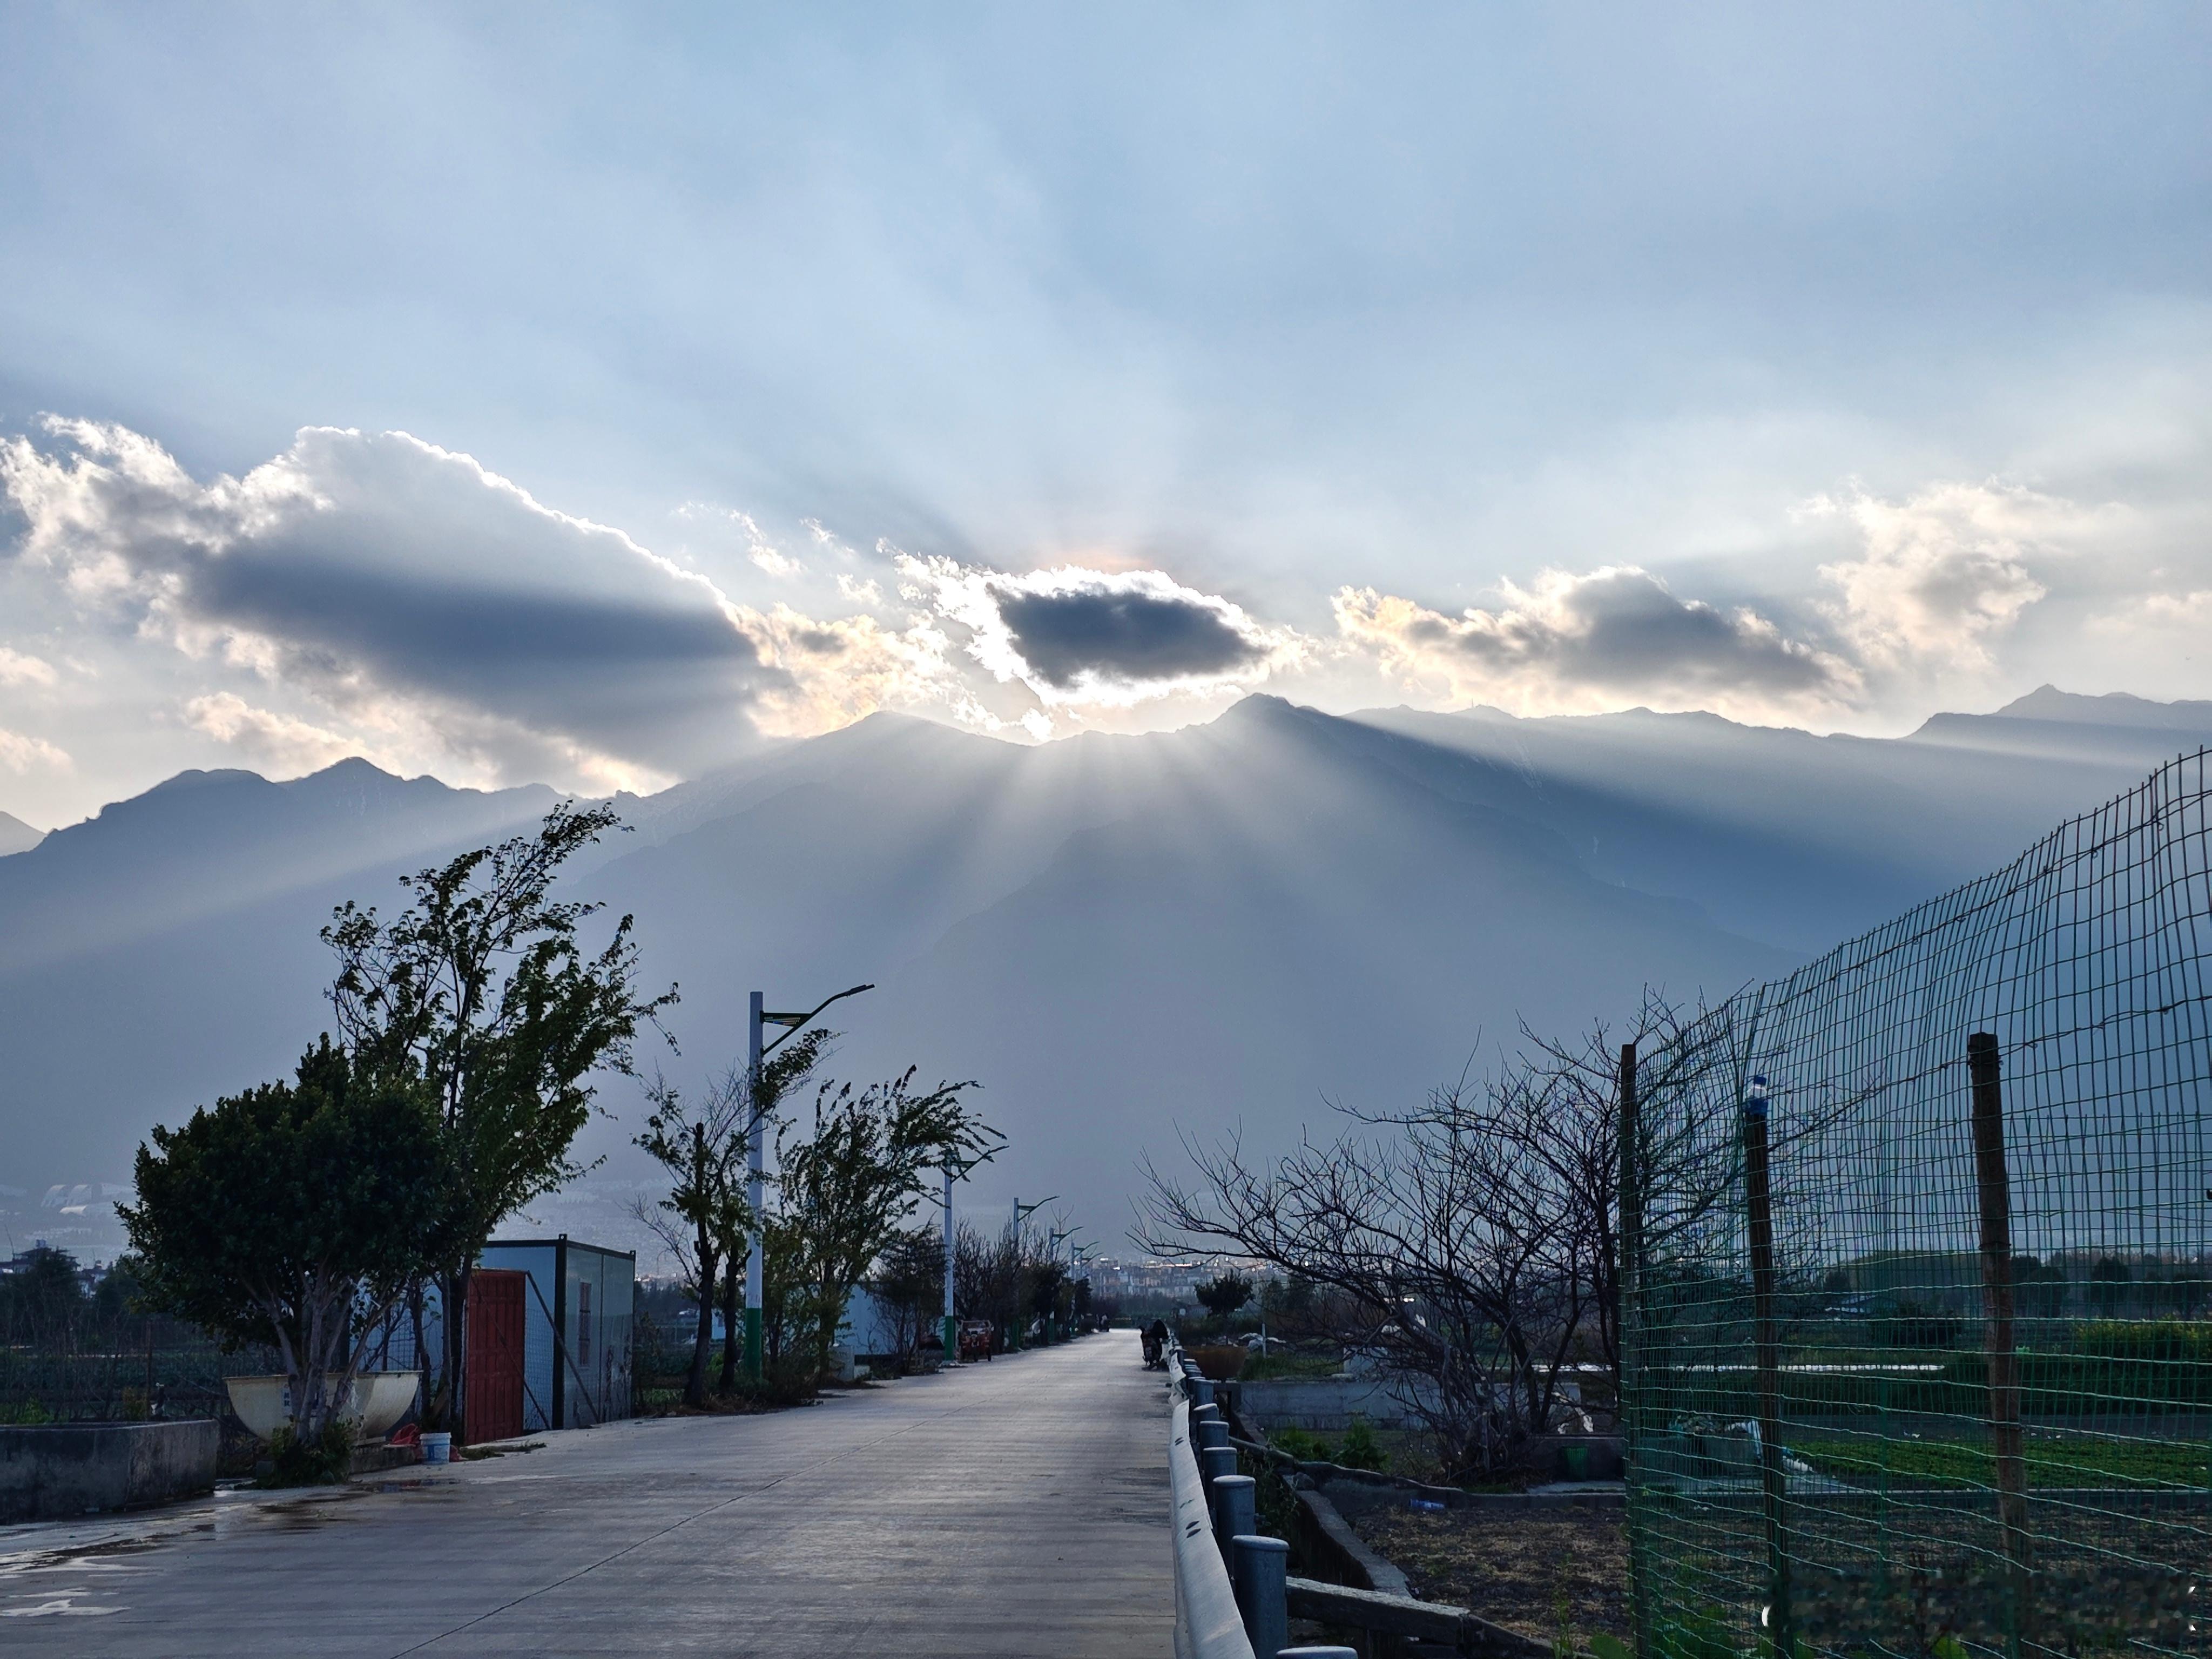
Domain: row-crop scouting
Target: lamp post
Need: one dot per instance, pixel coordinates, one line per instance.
(1021, 1212)
(1053, 1239)
(755, 1156)
(1076, 1253)
(956, 1169)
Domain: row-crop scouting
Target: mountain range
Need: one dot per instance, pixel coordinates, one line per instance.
(1216, 930)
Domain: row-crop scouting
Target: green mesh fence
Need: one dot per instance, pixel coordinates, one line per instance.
(1918, 1360)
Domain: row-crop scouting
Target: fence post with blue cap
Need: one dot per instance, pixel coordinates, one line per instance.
(1236, 1509)
(1759, 1202)
(1260, 1569)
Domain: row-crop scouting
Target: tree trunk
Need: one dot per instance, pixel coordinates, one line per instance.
(733, 1323)
(453, 1363)
(702, 1344)
(415, 1315)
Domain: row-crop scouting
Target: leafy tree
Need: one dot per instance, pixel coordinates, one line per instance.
(483, 990)
(117, 1292)
(295, 1216)
(909, 1281)
(705, 1201)
(848, 1187)
(42, 1300)
(1047, 1282)
(1225, 1293)
(987, 1279)
(703, 1150)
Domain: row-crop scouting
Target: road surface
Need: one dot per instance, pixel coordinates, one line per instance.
(1017, 1507)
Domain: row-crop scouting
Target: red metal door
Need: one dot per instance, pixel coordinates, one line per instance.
(493, 1355)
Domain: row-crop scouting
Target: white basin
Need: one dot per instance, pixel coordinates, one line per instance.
(380, 1399)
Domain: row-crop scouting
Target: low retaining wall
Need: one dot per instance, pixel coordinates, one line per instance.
(1325, 1405)
(63, 1470)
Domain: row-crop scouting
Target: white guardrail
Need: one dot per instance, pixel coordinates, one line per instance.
(1234, 1594)
(1207, 1623)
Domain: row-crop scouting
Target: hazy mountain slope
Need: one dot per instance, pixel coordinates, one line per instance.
(1286, 916)
(1122, 936)
(1115, 934)
(1798, 840)
(17, 837)
(166, 950)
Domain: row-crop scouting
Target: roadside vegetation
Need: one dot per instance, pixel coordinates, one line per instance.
(294, 1221)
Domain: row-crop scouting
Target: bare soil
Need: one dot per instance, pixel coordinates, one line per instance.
(1530, 1570)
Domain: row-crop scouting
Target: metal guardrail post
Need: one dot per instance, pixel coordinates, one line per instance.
(1236, 1507)
(1259, 1568)
(1212, 1432)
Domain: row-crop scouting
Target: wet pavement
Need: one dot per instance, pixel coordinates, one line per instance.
(1017, 1507)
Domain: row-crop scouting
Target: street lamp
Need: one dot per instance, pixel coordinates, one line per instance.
(1076, 1255)
(755, 1156)
(1022, 1210)
(956, 1169)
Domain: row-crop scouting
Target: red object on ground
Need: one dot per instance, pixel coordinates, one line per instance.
(407, 1434)
(493, 1358)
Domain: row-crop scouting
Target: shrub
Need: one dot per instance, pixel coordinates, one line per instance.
(1360, 1449)
(323, 1461)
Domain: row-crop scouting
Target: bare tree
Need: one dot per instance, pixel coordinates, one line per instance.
(1474, 1242)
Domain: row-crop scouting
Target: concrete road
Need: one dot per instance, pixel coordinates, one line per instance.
(1017, 1507)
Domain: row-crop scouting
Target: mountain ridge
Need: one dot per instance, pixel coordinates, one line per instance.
(1125, 939)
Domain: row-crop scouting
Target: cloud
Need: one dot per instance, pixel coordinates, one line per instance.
(761, 553)
(1076, 635)
(20, 754)
(834, 672)
(288, 747)
(18, 668)
(1580, 642)
(1944, 572)
(402, 585)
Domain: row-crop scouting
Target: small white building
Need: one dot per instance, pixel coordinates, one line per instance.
(576, 1319)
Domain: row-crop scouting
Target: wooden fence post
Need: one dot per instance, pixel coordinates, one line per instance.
(1993, 1192)
(1766, 1343)
(1628, 1274)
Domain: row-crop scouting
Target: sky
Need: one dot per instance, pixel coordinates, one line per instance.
(583, 395)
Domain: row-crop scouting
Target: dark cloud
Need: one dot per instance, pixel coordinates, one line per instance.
(1116, 634)
(396, 579)
(1617, 630)
(1621, 629)
(647, 681)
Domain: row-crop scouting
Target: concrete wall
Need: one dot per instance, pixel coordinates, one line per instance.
(1325, 1405)
(66, 1469)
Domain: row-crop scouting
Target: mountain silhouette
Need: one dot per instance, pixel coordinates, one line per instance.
(1215, 930)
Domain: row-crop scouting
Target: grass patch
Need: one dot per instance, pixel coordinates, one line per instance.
(2051, 1460)
(1278, 1367)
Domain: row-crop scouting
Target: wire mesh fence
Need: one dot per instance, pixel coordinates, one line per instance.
(1917, 1355)
(126, 1368)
